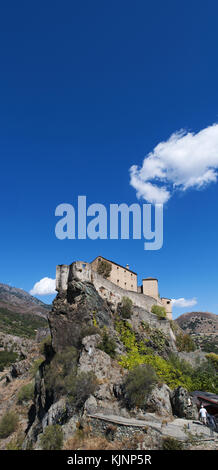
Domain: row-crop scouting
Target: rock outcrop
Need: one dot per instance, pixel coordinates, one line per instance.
(74, 310)
(78, 319)
(182, 404)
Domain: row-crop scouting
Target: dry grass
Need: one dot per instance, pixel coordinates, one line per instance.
(77, 442)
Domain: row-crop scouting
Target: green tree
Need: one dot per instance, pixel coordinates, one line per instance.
(26, 393)
(52, 438)
(108, 345)
(125, 309)
(8, 424)
(104, 268)
(159, 311)
(137, 385)
(79, 388)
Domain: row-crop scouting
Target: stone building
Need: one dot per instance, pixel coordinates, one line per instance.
(119, 275)
(113, 287)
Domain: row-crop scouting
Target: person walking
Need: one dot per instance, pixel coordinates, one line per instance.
(203, 415)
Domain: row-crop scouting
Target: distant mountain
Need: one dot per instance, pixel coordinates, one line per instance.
(203, 327)
(20, 301)
(21, 314)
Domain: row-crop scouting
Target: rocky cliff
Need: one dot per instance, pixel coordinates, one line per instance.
(82, 385)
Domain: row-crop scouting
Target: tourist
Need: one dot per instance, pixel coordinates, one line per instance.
(203, 415)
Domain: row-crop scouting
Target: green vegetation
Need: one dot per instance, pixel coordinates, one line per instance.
(59, 371)
(7, 358)
(16, 442)
(125, 309)
(35, 366)
(80, 387)
(52, 438)
(26, 393)
(170, 443)
(8, 424)
(206, 343)
(45, 346)
(159, 311)
(138, 384)
(108, 345)
(184, 342)
(104, 268)
(62, 378)
(173, 371)
(213, 359)
(89, 331)
(20, 324)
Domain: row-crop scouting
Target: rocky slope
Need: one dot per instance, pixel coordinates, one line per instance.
(203, 327)
(19, 301)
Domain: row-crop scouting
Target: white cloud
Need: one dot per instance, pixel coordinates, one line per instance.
(45, 286)
(186, 160)
(184, 302)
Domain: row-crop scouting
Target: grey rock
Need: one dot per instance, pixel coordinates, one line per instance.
(182, 404)
(159, 401)
(57, 414)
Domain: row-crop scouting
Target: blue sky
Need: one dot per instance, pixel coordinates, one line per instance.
(88, 89)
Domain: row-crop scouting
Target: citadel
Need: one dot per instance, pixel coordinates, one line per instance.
(121, 281)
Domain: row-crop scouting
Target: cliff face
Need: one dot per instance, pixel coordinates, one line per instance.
(75, 308)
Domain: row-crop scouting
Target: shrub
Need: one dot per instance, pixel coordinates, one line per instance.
(7, 358)
(108, 345)
(137, 385)
(159, 311)
(26, 393)
(63, 365)
(89, 331)
(170, 443)
(45, 346)
(125, 310)
(80, 387)
(52, 438)
(8, 424)
(184, 342)
(104, 268)
(16, 443)
(35, 366)
(205, 377)
(213, 358)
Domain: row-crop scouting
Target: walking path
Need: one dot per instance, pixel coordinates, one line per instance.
(180, 428)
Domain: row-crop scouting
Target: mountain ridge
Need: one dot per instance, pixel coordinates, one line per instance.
(18, 300)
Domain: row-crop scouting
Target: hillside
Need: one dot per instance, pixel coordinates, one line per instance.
(203, 327)
(20, 301)
(21, 314)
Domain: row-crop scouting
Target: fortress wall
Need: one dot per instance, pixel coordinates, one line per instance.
(114, 293)
(62, 274)
(107, 290)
